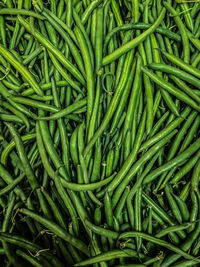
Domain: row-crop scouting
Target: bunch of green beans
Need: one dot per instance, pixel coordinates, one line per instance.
(100, 133)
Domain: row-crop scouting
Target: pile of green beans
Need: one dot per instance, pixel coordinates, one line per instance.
(100, 133)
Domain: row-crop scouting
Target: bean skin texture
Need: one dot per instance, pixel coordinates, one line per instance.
(53, 49)
(29, 77)
(120, 51)
(99, 133)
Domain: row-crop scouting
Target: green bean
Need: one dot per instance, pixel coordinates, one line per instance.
(127, 144)
(111, 48)
(172, 229)
(63, 25)
(44, 87)
(9, 211)
(64, 139)
(97, 162)
(69, 42)
(10, 118)
(169, 87)
(16, 55)
(180, 63)
(194, 9)
(106, 256)
(159, 242)
(101, 231)
(28, 258)
(164, 93)
(182, 207)
(60, 8)
(15, 32)
(89, 73)
(5, 226)
(11, 145)
(108, 210)
(159, 213)
(102, 99)
(190, 134)
(124, 99)
(50, 147)
(42, 98)
(141, 26)
(24, 243)
(2, 251)
(185, 263)
(185, 246)
(68, 204)
(3, 31)
(185, 169)
(132, 44)
(13, 184)
(55, 209)
(147, 43)
(73, 147)
(89, 10)
(98, 62)
(195, 176)
(185, 192)
(45, 42)
(12, 86)
(159, 124)
(136, 187)
(177, 160)
(196, 248)
(88, 187)
(11, 76)
(57, 230)
(85, 34)
(93, 25)
(148, 88)
(173, 204)
(125, 168)
(172, 70)
(81, 181)
(121, 203)
(131, 265)
(34, 103)
(28, 76)
(64, 74)
(134, 170)
(185, 88)
(134, 94)
(109, 162)
(15, 159)
(116, 157)
(182, 29)
(116, 12)
(13, 11)
(181, 134)
(113, 105)
(66, 111)
(32, 55)
(122, 59)
(187, 15)
(83, 161)
(138, 216)
(27, 168)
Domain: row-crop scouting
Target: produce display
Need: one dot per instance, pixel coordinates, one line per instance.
(99, 133)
